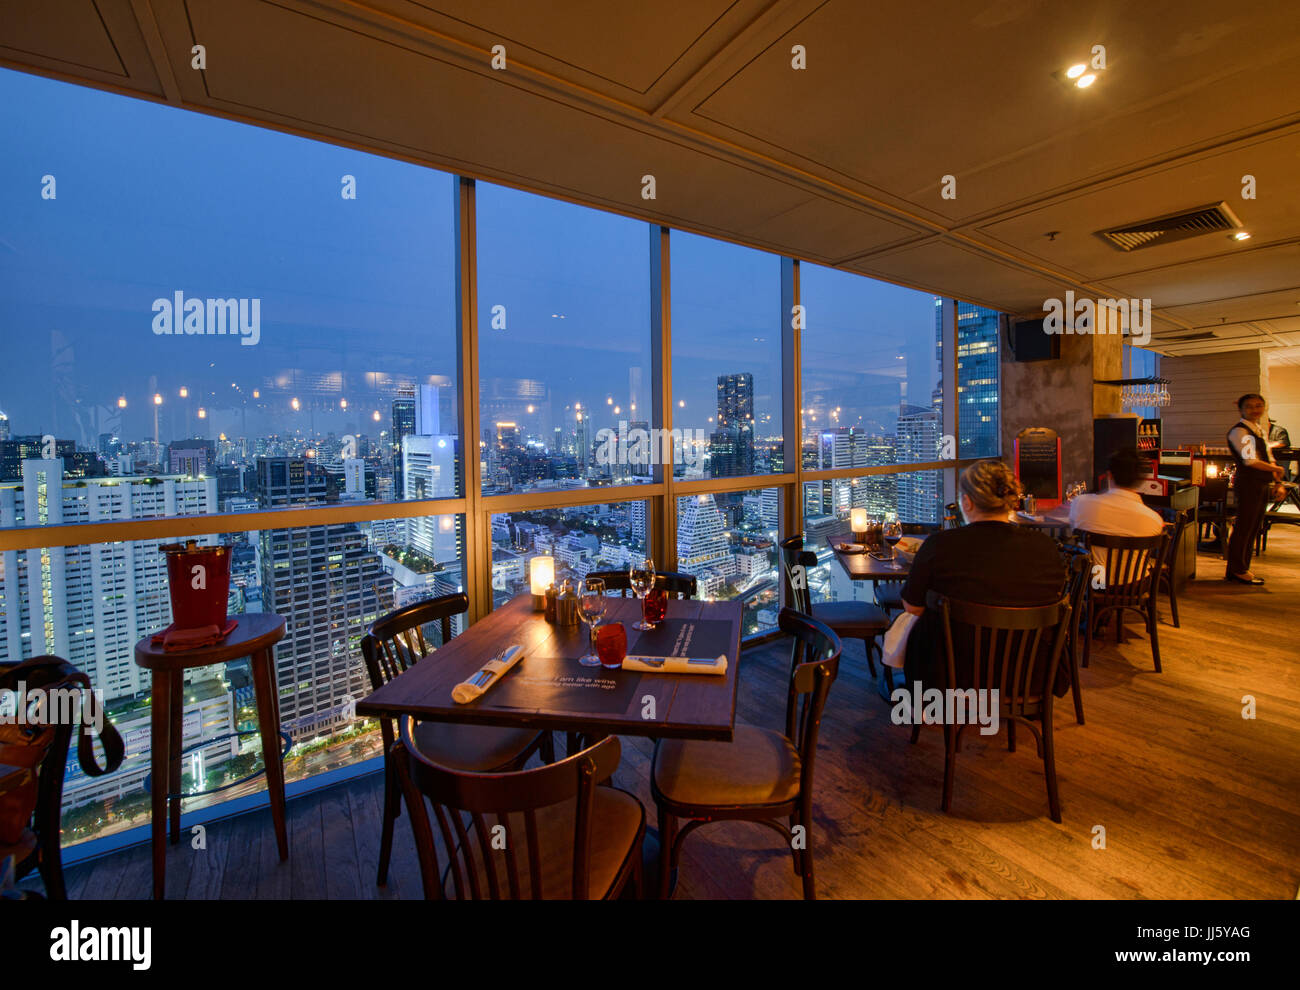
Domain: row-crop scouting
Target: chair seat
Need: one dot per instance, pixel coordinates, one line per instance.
(476, 748)
(758, 767)
(617, 824)
(852, 620)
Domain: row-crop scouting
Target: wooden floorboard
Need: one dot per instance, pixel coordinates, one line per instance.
(1195, 800)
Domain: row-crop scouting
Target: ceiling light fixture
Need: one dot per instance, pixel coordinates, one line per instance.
(1241, 235)
(1086, 81)
(1075, 71)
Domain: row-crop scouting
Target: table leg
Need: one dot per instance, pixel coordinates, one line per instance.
(268, 720)
(176, 742)
(160, 749)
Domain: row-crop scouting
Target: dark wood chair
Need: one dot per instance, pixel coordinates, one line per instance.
(849, 620)
(1214, 513)
(677, 585)
(1078, 563)
(761, 775)
(1174, 530)
(1015, 651)
(553, 833)
(397, 641)
(1131, 567)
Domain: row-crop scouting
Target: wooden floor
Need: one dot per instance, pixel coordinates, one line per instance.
(1195, 800)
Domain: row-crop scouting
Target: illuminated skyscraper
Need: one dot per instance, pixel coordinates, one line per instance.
(977, 381)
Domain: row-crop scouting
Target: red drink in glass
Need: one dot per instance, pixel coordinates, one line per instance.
(654, 607)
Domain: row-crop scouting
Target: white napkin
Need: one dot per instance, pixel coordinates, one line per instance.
(676, 665)
(487, 675)
(895, 648)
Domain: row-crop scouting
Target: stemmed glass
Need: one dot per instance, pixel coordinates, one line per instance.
(591, 609)
(642, 580)
(893, 532)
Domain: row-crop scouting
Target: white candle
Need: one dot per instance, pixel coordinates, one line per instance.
(858, 520)
(541, 574)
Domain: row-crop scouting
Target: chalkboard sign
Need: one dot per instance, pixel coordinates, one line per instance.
(1038, 464)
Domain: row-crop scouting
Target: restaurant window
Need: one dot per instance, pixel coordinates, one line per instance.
(328, 581)
(579, 539)
(728, 541)
(726, 333)
(910, 497)
(188, 315)
(564, 344)
(872, 369)
(978, 377)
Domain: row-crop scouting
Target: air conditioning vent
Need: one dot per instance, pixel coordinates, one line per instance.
(1210, 219)
(1187, 337)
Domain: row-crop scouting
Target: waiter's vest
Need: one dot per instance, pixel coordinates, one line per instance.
(1247, 475)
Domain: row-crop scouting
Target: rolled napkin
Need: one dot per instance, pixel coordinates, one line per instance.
(676, 665)
(491, 672)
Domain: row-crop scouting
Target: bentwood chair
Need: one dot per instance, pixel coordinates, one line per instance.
(1128, 582)
(676, 585)
(397, 641)
(1014, 651)
(761, 775)
(1169, 561)
(576, 840)
(849, 620)
(1078, 562)
(1214, 515)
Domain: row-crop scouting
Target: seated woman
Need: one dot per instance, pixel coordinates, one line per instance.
(991, 560)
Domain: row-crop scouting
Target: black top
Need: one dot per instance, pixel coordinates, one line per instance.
(991, 563)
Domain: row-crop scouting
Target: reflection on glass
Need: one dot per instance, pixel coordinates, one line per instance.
(564, 345)
(872, 363)
(726, 322)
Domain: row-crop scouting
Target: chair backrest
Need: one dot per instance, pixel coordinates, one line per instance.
(396, 641)
(680, 585)
(1014, 650)
(492, 858)
(1131, 564)
(1215, 489)
(798, 562)
(814, 664)
(951, 516)
(1078, 569)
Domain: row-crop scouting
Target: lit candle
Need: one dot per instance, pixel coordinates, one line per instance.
(858, 522)
(541, 575)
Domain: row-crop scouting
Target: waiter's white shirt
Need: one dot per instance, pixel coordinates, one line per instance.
(1114, 512)
(1250, 442)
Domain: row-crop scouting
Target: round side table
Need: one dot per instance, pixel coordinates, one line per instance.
(255, 638)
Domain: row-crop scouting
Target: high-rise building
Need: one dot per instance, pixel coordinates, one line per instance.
(977, 381)
(919, 494)
(731, 446)
(4, 425)
(403, 426)
(90, 603)
(702, 545)
(329, 586)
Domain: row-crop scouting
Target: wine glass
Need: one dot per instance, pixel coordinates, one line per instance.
(642, 580)
(893, 532)
(591, 609)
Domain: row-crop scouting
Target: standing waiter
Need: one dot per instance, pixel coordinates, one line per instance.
(1257, 478)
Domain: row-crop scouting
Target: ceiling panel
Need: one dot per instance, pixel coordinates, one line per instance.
(968, 90)
(1228, 275)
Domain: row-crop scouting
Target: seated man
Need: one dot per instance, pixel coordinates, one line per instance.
(1118, 511)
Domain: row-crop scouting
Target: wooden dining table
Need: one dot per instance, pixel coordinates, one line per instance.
(549, 689)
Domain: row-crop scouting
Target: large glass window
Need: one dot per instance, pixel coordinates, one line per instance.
(729, 542)
(245, 294)
(564, 344)
(872, 367)
(329, 582)
(580, 539)
(978, 354)
(726, 333)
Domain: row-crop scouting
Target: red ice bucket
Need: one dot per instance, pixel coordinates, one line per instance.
(199, 581)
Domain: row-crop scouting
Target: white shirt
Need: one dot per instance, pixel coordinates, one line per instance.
(1250, 442)
(1114, 512)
